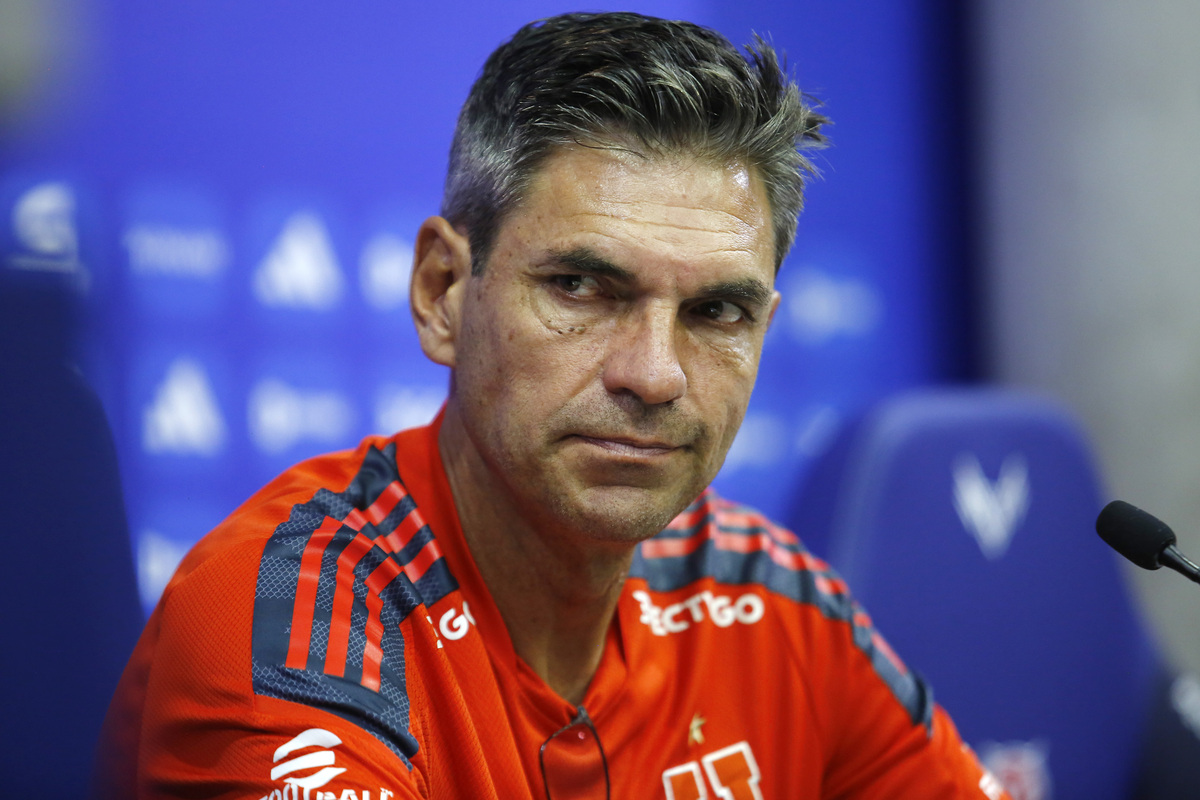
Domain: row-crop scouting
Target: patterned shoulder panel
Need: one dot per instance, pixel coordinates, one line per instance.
(334, 583)
(714, 538)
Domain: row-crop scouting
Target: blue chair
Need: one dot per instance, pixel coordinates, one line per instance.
(963, 520)
(69, 593)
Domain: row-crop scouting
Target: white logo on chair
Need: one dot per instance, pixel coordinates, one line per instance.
(1021, 767)
(991, 511)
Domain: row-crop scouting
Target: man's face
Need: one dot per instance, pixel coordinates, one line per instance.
(605, 357)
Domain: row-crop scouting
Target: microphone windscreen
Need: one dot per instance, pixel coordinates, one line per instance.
(1133, 533)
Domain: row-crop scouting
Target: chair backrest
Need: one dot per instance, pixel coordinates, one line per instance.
(963, 520)
(69, 600)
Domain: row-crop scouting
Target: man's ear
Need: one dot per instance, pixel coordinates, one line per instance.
(775, 298)
(441, 268)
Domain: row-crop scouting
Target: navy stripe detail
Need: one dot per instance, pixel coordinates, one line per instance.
(801, 585)
(909, 687)
(384, 714)
(377, 471)
(668, 573)
(421, 538)
(725, 566)
(437, 582)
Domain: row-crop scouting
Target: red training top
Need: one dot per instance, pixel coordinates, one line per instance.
(333, 640)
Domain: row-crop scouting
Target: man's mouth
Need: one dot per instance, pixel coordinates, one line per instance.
(635, 447)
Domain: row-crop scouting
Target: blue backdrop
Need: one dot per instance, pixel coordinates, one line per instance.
(229, 191)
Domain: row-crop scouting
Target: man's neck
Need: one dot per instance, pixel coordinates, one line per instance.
(557, 592)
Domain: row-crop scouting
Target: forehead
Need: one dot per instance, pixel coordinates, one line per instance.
(676, 210)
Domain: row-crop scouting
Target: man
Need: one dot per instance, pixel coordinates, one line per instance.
(537, 596)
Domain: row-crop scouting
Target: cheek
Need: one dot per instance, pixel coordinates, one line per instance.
(565, 342)
(722, 379)
(730, 363)
(531, 361)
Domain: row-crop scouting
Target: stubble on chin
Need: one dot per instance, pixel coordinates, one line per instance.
(619, 509)
(625, 522)
(636, 504)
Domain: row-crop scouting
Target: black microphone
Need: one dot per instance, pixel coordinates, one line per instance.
(1142, 538)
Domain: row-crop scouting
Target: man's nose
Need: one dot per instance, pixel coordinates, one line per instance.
(643, 358)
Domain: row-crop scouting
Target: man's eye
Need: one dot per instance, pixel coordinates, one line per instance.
(578, 285)
(721, 311)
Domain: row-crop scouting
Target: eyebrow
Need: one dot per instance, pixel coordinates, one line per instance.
(750, 291)
(585, 260)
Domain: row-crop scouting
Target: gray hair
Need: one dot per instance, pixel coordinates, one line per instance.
(620, 78)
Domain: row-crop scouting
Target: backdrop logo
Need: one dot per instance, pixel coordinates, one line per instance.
(176, 251)
(43, 224)
(281, 416)
(384, 271)
(398, 408)
(183, 416)
(157, 558)
(822, 307)
(991, 512)
(301, 269)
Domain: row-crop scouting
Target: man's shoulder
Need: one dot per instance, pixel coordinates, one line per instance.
(239, 561)
(731, 564)
(292, 614)
(301, 530)
(317, 573)
(328, 483)
(346, 507)
(729, 543)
